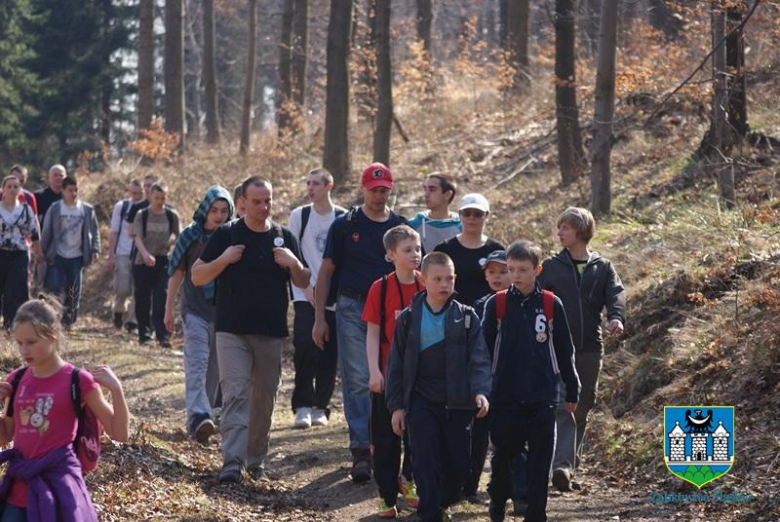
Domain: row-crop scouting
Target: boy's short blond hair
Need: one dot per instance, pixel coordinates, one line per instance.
(581, 220)
(397, 234)
(436, 258)
(523, 250)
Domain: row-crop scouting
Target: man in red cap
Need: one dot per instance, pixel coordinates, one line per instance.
(354, 258)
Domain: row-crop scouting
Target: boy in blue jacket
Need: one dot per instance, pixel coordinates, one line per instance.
(532, 351)
(438, 374)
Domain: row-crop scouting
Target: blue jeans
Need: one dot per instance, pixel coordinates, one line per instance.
(201, 371)
(63, 279)
(353, 365)
(13, 514)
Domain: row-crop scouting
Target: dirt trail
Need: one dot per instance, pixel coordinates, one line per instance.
(164, 475)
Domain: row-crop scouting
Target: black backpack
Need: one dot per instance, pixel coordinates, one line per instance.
(305, 214)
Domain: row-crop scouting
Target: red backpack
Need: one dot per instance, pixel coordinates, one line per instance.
(86, 445)
(548, 304)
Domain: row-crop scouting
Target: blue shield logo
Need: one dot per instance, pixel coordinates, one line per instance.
(699, 442)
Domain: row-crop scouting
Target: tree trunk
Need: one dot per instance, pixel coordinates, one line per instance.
(300, 42)
(210, 73)
(174, 68)
(365, 42)
(424, 22)
(518, 30)
(336, 157)
(490, 21)
(570, 153)
(591, 33)
(284, 96)
(384, 113)
(146, 64)
(249, 86)
(601, 197)
(503, 21)
(735, 65)
(718, 136)
(193, 69)
(663, 19)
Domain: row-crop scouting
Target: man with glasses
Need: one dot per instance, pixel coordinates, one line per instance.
(438, 223)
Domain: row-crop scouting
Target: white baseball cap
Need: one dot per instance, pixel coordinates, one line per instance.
(477, 201)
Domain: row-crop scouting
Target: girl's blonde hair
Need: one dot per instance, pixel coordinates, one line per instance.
(43, 314)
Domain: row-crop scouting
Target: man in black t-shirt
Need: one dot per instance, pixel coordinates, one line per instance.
(355, 253)
(252, 259)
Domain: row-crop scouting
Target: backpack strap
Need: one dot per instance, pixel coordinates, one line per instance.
(122, 216)
(169, 215)
(500, 306)
(548, 304)
(382, 315)
(305, 215)
(144, 220)
(75, 397)
(14, 386)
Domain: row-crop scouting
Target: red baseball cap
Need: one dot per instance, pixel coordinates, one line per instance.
(377, 175)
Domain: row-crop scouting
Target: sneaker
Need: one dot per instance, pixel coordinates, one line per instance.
(319, 417)
(497, 511)
(409, 491)
(561, 479)
(204, 430)
(258, 474)
(117, 320)
(230, 476)
(520, 507)
(361, 466)
(166, 343)
(131, 327)
(386, 511)
(144, 340)
(302, 418)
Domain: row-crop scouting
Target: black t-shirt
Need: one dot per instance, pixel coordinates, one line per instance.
(134, 209)
(579, 265)
(470, 283)
(357, 250)
(45, 199)
(252, 295)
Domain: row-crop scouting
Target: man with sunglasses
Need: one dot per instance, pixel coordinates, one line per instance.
(468, 250)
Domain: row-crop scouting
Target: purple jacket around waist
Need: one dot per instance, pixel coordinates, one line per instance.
(55, 487)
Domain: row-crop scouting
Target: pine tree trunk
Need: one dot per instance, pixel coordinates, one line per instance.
(384, 113)
(146, 64)
(210, 73)
(174, 68)
(193, 69)
(249, 86)
(424, 22)
(300, 42)
(336, 156)
(284, 96)
(735, 65)
(601, 196)
(717, 151)
(570, 153)
(518, 31)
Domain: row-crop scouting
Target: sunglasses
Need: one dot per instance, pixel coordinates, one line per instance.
(471, 213)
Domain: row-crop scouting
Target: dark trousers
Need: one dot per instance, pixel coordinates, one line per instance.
(440, 439)
(386, 450)
(151, 291)
(510, 431)
(13, 283)
(480, 440)
(315, 369)
(63, 279)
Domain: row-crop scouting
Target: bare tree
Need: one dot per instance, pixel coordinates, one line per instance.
(663, 19)
(570, 153)
(384, 113)
(300, 43)
(249, 87)
(336, 156)
(518, 31)
(716, 153)
(284, 99)
(146, 64)
(210, 73)
(601, 196)
(174, 68)
(735, 65)
(424, 22)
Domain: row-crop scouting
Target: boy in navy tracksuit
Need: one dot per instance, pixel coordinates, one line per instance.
(532, 351)
(438, 374)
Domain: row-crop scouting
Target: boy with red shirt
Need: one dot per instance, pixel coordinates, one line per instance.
(387, 297)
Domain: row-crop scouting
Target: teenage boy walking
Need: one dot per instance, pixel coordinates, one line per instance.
(438, 374)
(532, 351)
(70, 241)
(437, 224)
(120, 247)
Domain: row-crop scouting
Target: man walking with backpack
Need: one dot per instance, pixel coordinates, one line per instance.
(315, 368)
(120, 246)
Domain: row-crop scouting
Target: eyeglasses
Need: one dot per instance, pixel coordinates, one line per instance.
(471, 213)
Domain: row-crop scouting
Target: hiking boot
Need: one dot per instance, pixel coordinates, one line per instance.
(166, 343)
(131, 327)
(230, 476)
(561, 479)
(408, 489)
(386, 511)
(144, 340)
(302, 418)
(497, 511)
(204, 429)
(361, 466)
(520, 507)
(319, 417)
(117, 320)
(258, 474)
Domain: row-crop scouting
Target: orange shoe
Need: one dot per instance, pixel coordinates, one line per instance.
(409, 491)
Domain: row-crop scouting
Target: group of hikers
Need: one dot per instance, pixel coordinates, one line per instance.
(445, 340)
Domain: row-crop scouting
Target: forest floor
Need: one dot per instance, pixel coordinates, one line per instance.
(161, 474)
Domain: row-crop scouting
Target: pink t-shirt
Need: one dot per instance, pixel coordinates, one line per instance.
(44, 417)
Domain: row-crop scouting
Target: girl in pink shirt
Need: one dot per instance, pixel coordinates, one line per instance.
(44, 423)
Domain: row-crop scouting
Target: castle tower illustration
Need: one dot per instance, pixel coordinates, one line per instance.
(720, 443)
(677, 443)
(699, 447)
